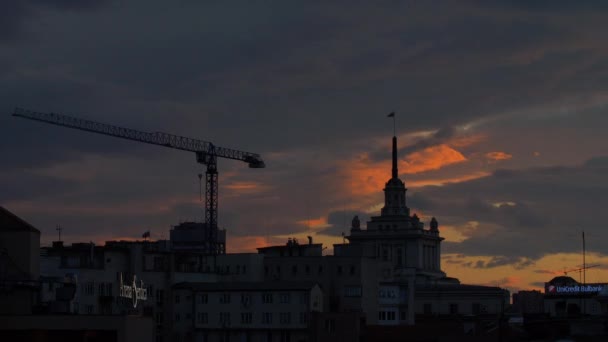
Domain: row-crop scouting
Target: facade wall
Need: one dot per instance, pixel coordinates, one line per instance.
(23, 249)
(446, 303)
(244, 315)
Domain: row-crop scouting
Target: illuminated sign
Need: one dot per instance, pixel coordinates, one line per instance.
(133, 291)
(573, 289)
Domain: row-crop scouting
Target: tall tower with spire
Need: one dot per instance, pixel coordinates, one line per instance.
(394, 191)
(397, 237)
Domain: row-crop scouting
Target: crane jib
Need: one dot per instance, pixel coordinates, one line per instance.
(206, 153)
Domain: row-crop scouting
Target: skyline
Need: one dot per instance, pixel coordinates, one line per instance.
(499, 118)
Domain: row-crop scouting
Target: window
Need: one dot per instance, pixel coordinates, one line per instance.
(476, 309)
(387, 315)
(176, 299)
(339, 270)
(244, 269)
(158, 263)
(246, 300)
(453, 308)
(385, 254)
(307, 269)
(330, 325)
(303, 317)
(267, 298)
(246, 317)
(294, 269)
(177, 318)
(403, 315)
(267, 318)
(399, 256)
(285, 318)
(320, 270)
(100, 289)
(202, 318)
(428, 308)
(352, 291)
(284, 298)
(351, 271)
(304, 298)
(89, 288)
(265, 270)
(89, 309)
(203, 298)
(225, 298)
(188, 316)
(159, 318)
(225, 318)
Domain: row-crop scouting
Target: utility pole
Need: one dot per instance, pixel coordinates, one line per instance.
(584, 273)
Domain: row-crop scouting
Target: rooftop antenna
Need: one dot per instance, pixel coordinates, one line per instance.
(59, 229)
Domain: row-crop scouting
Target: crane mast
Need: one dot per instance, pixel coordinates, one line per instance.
(206, 154)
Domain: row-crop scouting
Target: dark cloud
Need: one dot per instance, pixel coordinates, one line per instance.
(525, 213)
(15, 15)
(497, 261)
(307, 86)
(12, 13)
(72, 4)
(544, 272)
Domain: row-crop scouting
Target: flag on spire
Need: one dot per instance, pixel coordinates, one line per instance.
(391, 115)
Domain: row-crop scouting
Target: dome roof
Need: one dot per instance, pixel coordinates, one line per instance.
(562, 280)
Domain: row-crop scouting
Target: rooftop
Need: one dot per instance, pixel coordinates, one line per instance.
(10, 222)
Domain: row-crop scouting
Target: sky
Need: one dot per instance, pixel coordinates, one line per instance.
(500, 117)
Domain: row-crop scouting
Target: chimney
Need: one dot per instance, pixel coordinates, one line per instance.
(309, 240)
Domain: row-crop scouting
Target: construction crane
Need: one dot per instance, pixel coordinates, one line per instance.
(580, 269)
(206, 152)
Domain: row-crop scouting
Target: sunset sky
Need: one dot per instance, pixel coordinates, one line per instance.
(500, 115)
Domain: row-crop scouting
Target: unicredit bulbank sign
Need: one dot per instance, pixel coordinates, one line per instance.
(134, 291)
(573, 289)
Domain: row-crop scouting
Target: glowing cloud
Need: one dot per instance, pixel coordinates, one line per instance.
(496, 156)
(318, 223)
(432, 158)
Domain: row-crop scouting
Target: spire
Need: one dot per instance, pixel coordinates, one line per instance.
(395, 169)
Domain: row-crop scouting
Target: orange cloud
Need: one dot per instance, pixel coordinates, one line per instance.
(496, 156)
(432, 158)
(248, 244)
(444, 181)
(364, 177)
(317, 223)
(467, 140)
(243, 186)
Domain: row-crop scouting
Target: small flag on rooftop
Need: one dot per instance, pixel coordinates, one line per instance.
(391, 115)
